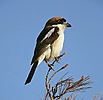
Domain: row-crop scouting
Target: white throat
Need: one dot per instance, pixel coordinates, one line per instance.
(62, 27)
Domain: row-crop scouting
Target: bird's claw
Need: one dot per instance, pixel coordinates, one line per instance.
(57, 59)
(50, 66)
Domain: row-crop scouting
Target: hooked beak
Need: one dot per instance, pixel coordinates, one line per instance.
(67, 24)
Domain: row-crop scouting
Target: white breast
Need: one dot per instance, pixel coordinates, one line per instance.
(56, 47)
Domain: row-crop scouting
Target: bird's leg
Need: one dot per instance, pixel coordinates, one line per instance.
(57, 59)
(49, 65)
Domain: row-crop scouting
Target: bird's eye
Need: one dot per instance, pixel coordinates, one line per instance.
(60, 21)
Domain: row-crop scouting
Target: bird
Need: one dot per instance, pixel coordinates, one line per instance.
(49, 43)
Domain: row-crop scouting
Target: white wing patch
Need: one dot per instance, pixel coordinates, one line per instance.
(48, 34)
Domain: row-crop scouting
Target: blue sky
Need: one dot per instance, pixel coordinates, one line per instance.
(20, 23)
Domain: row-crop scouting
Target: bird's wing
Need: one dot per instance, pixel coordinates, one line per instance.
(44, 40)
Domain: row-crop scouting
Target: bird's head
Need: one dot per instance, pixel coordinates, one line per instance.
(57, 22)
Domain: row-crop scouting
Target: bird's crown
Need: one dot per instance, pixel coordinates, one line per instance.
(55, 21)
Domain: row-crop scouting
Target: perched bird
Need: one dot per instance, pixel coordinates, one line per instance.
(49, 43)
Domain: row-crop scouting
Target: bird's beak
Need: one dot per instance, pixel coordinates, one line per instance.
(67, 24)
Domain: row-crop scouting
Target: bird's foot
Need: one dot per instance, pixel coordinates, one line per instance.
(57, 59)
(50, 66)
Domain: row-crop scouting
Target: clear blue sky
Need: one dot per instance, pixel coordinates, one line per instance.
(20, 23)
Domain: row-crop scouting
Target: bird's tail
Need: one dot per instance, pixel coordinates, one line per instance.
(28, 80)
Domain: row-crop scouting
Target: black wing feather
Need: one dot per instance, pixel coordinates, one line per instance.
(41, 47)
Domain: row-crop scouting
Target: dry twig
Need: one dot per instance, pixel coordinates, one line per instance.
(63, 86)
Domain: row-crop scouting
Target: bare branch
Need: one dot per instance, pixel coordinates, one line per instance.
(58, 71)
(63, 86)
